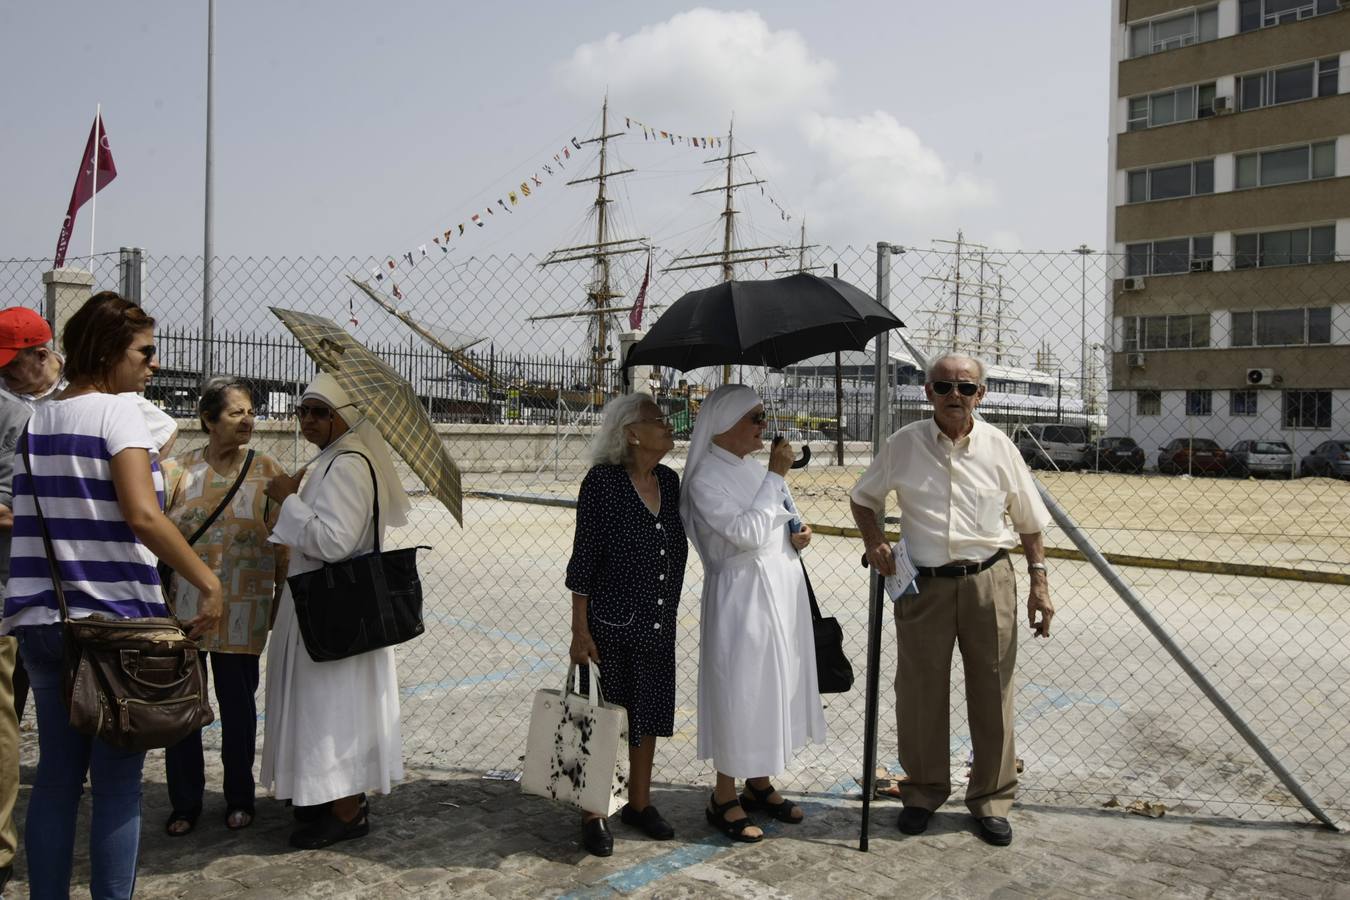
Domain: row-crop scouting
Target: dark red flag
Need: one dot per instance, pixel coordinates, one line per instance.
(635, 314)
(86, 184)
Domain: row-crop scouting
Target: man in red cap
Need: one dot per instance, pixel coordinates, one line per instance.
(31, 371)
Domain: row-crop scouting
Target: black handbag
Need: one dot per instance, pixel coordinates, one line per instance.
(834, 673)
(360, 604)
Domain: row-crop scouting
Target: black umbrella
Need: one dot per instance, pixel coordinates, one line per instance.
(762, 323)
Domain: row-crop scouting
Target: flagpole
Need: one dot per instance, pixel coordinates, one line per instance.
(208, 237)
(93, 197)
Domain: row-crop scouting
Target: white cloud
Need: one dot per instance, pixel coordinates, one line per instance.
(878, 173)
(702, 61)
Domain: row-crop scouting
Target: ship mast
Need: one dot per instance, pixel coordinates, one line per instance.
(727, 259)
(980, 328)
(600, 291)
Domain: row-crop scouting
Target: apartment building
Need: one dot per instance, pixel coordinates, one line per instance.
(1229, 189)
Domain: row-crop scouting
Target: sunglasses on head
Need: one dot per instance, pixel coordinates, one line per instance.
(966, 388)
(318, 413)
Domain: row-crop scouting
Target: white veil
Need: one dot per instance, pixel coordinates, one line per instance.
(723, 409)
(394, 504)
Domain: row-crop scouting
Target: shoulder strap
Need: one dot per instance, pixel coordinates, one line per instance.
(42, 526)
(375, 483)
(810, 592)
(229, 495)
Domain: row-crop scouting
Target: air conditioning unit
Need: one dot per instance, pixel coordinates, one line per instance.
(1135, 360)
(1221, 105)
(1202, 265)
(1133, 283)
(1260, 377)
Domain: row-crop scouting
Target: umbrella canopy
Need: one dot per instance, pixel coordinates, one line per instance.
(383, 396)
(762, 323)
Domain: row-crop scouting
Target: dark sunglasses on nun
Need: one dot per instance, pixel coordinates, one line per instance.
(966, 388)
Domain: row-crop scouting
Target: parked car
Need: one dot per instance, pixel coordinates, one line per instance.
(813, 436)
(1116, 454)
(1258, 458)
(1044, 443)
(1330, 458)
(1193, 456)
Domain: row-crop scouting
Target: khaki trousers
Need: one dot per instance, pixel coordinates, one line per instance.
(978, 613)
(9, 751)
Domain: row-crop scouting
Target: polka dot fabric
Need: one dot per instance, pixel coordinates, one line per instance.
(630, 565)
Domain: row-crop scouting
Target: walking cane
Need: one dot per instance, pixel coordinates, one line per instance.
(874, 604)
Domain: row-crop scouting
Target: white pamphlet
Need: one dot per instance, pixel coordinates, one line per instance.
(902, 582)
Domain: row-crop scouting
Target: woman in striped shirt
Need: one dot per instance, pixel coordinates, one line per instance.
(95, 469)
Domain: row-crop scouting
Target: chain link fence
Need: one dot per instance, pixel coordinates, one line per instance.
(1200, 437)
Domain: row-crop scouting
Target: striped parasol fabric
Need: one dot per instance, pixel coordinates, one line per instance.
(386, 398)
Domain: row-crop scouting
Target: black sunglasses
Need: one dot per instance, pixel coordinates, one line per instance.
(966, 388)
(318, 413)
(148, 351)
(759, 418)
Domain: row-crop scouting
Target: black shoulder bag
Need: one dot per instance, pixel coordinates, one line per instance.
(134, 683)
(833, 670)
(360, 604)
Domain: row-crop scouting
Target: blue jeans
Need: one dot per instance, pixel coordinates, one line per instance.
(64, 757)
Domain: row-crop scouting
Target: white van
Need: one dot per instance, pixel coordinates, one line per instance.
(1044, 443)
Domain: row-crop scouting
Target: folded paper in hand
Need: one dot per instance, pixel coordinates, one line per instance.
(902, 582)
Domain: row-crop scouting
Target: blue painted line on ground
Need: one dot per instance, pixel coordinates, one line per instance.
(531, 666)
(492, 631)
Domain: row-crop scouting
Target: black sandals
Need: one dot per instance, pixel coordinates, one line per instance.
(754, 798)
(716, 813)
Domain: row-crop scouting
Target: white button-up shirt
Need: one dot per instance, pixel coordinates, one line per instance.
(959, 500)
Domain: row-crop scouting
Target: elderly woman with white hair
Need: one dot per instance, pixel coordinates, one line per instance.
(332, 730)
(758, 698)
(625, 576)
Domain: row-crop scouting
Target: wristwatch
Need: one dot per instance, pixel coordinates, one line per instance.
(1037, 567)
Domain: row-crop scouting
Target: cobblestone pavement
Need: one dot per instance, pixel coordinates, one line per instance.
(453, 834)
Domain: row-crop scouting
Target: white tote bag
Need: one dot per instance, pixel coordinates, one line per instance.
(578, 747)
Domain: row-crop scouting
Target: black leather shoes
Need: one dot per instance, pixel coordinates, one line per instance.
(596, 837)
(995, 830)
(914, 819)
(329, 829)
(649, 821)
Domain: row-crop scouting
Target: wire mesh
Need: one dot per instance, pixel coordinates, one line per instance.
(1187, 417)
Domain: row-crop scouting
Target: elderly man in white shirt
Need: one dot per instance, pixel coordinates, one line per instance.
(958, 482)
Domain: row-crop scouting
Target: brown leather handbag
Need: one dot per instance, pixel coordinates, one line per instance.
(134, 683)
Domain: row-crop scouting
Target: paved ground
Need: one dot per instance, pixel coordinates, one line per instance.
(455, 835)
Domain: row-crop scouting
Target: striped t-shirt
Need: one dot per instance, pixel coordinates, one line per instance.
(104, 567)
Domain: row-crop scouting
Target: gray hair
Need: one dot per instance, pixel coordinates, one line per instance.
(610, 444)
(212, 401)
(979, 365)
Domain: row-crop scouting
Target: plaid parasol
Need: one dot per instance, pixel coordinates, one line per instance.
(386, 398)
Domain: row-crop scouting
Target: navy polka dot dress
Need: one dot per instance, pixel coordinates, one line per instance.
(630, 565)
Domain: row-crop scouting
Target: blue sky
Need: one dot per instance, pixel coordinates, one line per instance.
(352, 128)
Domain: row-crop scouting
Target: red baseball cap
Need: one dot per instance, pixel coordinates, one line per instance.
(21, 328)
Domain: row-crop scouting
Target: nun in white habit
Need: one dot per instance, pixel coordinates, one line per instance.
(332, 728)
(758, 700)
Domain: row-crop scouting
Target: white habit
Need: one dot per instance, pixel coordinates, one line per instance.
(332, 728)
(758, 700)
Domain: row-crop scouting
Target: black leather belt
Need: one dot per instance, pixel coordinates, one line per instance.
(960, 571)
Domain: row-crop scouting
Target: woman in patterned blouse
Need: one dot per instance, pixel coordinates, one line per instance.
(625, 575)
(252, 571)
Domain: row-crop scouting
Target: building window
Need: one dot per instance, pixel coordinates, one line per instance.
(1199, 403)
(1307, 409)
(1302, 82)
(1169, 182)
(1242, 403)
(1297, 247)
(1305, 163)
(1148, 403)
(1166, 332)
(1175, 31)
(1254, 14)
(1193, 254)
(1177, 105)
(1281, 327)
